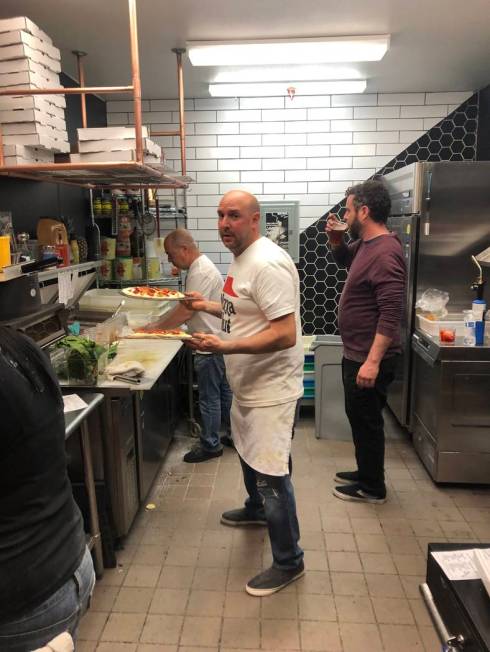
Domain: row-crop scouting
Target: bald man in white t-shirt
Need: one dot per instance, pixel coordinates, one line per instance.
(214, 392)
(262, 346)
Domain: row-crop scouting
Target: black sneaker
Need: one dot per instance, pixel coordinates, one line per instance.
(347, 477)
(242, 516)
(353, 492)
(199, 454)
(226, 440)
(273, 579)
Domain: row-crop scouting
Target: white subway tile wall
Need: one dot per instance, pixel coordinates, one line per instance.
(309, 149)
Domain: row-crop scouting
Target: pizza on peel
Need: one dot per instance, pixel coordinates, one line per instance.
(155, 293)
(160, 334)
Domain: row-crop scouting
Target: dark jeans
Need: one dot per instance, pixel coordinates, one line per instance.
(215, 398)
(363, 407)
(272, 496)
(59, 613)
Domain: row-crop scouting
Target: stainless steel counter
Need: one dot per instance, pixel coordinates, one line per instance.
(451, 409)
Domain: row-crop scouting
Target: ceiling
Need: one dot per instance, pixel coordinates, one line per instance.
(436, 45)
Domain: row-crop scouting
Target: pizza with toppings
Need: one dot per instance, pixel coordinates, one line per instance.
(159, 334)
(155, 293)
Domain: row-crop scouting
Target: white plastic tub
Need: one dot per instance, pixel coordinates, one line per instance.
(107, 300)
(450, 321)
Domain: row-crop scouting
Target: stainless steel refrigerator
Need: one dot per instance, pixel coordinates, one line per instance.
(441, 212)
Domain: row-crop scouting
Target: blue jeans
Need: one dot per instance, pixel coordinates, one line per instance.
(214, 398)
(61, 612)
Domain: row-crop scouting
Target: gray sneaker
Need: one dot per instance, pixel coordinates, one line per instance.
(273, 579)
(242, 516)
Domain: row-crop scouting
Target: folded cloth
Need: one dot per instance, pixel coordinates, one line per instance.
(62, 643)
(130, 368)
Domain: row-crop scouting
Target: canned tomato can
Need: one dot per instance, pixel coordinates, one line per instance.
(123, 269)
(105, 270)
(137, 268)
(153, 268)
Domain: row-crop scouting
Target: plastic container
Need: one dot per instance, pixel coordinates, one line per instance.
(469, 328)
(107, 300)
(432, 327)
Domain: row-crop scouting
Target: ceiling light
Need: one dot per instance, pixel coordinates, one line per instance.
(301, 88)
(288, 51)
(282, 73)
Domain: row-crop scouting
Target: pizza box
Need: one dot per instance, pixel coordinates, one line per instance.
(122, 156)
(26, 24)
(21, 50)
(20, 65)
(105, 133)
(18, 36)
(117, 144)
(32, 128)
(29, 115)
(7, 80)
(30, 154)
(38, 140)
(10, 161)
(58, 100)
(33, 102)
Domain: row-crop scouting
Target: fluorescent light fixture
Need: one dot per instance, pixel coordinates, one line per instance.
(288, 51)
(282, 73)
(301, 88)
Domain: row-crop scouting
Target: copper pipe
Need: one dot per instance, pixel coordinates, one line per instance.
(2, 160)
(165, 133)
(157, 207)
(65, 91)
(180, 80)
(81, 80)
(136, 79)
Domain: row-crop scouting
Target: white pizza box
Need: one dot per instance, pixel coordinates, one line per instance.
(37, 102)
(18, 36)
(57, 100)
(122, 156)
(104, 133)
(27, 154)
(20, 65)
(22, 128)
(24, 23)
(38, 140)
(21, 50)
(7, 80)
(18, 160)
(116, 144)
(28, 115)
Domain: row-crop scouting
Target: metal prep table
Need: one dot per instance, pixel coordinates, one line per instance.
(451, 409)
(77, 420)
(136, 426)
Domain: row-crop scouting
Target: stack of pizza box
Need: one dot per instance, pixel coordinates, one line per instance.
(114, 145)
(33, 126)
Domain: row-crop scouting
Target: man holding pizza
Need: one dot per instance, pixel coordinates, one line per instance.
(261, 341)
(214, 392)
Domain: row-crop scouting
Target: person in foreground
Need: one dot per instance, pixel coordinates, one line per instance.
(46, 571)
(370, 313)
(261, 341)
(214, 392)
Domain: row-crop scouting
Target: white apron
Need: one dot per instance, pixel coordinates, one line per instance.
(262, 435)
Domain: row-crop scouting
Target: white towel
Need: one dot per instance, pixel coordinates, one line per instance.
(130, 368)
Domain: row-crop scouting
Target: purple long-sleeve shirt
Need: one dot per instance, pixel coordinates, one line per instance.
(372, 300)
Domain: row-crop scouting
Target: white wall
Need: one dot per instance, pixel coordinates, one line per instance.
(309, 149)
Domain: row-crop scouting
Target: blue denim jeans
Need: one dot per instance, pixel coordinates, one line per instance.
(61, 612)
(214, 398)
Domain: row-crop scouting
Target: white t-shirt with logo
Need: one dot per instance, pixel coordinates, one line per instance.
(262, 285)
(203, 276)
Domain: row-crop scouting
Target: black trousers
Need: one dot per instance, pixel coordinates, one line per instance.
(363, 407)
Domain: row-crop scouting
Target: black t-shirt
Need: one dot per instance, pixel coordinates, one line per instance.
(41, 532)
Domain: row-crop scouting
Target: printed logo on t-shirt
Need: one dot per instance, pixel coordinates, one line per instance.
(228, 287)
(227, 310)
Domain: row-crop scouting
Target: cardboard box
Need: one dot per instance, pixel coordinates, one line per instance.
(35, 102)
(18, 36)
(20, 65)
(105, 133)
(19, 128)
(38, 140)
(8, 80)
(58, 100)
(28, 154)
(20, 51)
(24, 23)
(117, 144)
(29, 115)
(122, 156)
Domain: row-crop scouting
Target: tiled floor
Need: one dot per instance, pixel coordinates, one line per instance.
(180, 581)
